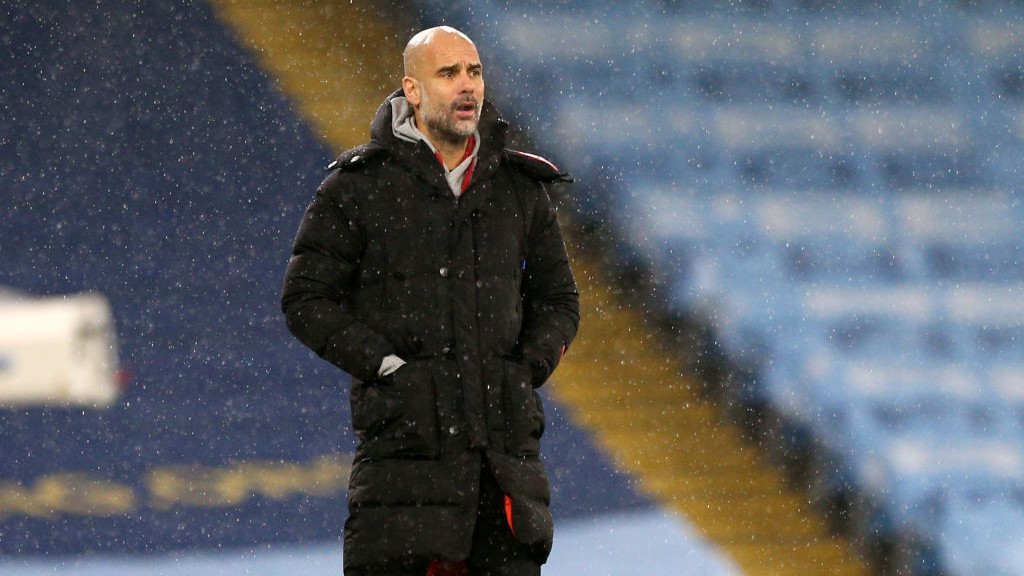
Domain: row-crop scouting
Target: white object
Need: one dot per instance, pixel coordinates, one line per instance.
(58, 350)
(389, 365)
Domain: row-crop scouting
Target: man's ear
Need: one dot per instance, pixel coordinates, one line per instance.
(411, 88)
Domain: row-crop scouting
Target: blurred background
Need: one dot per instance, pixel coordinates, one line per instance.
(796, 225)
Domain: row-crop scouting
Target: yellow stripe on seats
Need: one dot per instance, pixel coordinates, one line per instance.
(620, 382)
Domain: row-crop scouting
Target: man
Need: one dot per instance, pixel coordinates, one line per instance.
(430, 266)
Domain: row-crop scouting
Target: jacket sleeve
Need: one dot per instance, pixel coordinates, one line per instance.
(319, 286)
(550, 297)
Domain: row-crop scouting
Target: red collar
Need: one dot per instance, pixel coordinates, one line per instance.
(470, 146)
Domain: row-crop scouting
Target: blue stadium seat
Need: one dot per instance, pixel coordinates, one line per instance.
(920, 476)
(990, 321)
(751, 83)
(831, 241)
(981, 532)
(886, 84)
(834, 187)
(1007, 389)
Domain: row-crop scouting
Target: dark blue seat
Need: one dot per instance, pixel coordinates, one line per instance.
(924, 168)
(753, 82)
(797, 167)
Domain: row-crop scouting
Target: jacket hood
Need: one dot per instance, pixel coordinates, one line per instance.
(492, 128)
(403, 123)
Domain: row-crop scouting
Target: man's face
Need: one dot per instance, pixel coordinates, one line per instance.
(450, 89)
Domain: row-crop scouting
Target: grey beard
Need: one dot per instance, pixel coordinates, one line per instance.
(449, 130)
(443, 125)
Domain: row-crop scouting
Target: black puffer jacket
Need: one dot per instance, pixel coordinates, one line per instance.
(476, 294)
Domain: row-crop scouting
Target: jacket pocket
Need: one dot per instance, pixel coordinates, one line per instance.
(524, 414)
(527, 495)
(396, 416)
(532, 525)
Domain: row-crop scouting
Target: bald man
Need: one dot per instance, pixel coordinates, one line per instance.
(430, 267)
(444, 84)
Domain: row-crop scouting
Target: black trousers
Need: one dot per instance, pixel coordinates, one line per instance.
(495, 550)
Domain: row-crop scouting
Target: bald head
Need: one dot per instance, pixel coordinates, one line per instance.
(427, 42)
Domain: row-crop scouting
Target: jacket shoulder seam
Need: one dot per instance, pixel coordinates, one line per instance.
(356, 157)
(536, 167)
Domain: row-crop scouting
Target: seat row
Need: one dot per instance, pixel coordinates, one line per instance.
(832, 187)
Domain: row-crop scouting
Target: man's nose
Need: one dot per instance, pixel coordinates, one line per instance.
(467, 83)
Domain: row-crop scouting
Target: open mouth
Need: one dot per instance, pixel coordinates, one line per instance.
(466, 109)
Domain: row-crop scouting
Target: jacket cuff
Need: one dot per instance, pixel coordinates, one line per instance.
(358, 354)
(544, 357)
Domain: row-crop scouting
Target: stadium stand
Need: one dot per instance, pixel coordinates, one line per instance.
(833, 188)
(138, 153)
(147, 156)
(686, 460)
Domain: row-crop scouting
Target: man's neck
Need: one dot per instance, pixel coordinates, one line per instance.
(451, 151)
